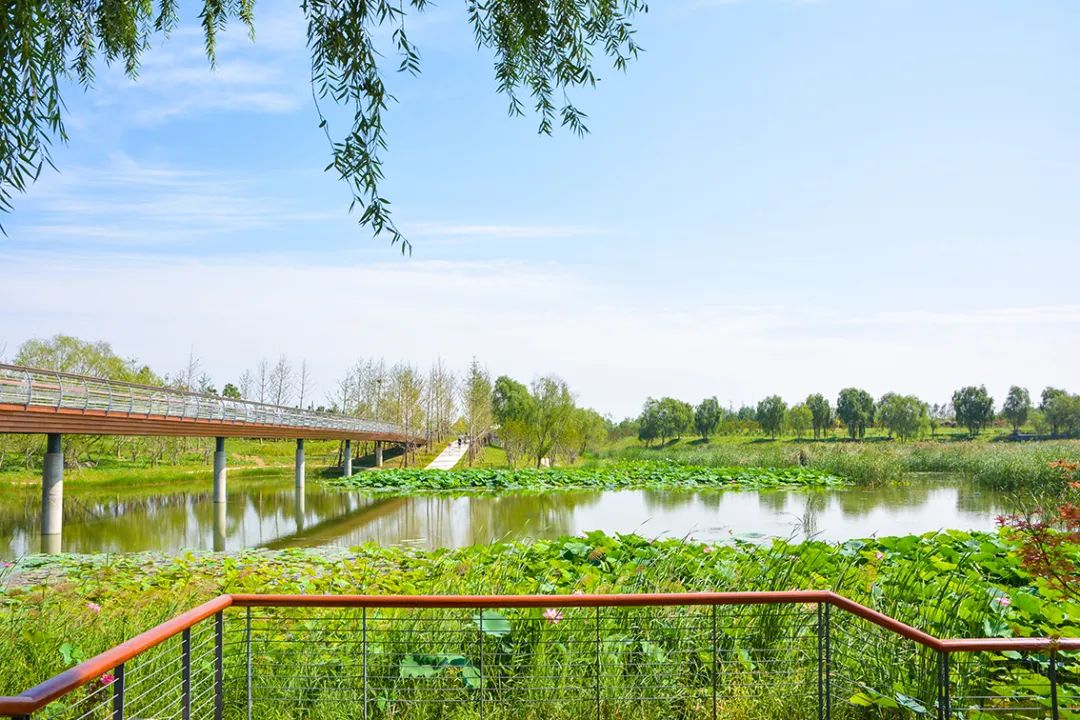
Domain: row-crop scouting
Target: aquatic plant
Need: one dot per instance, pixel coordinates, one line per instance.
(608, 476)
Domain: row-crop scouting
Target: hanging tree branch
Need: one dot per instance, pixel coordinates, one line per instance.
(542, 49)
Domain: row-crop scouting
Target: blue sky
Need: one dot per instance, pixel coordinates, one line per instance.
(779, 196)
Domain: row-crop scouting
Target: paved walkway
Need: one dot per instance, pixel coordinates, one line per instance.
(449, 457)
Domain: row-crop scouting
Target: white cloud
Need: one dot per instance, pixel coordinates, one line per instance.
(525, 320)
(125, 203)
(175, 78)
(446, 233)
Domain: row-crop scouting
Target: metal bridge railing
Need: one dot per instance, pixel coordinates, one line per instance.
(34, 388)
(636, 657)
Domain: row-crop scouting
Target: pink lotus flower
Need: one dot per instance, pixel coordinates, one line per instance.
(1003, 601)
(107, 679)
(93, 607)
(553, 616)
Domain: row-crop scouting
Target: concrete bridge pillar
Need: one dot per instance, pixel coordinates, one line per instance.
(299, 509)
(52, 496)
(348, 458)
(378, 453)
(300, 464)
(219, 470)
(221, 526)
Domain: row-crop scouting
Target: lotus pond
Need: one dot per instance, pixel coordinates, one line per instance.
(267, 512)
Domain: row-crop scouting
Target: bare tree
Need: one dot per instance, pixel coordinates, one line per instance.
(187, 378)
(282, 381)
(439, 400)
(263, 374)
(247, 385)
(404, 401)
(304, 381)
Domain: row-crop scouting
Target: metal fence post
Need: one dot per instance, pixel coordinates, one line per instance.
(826, 670)
(118, 693)
(219, 664)
(715, 662)
(599, 707)
(944, 693)
(821, 661)
(1052, 673)
(363, 655)
(483, 684)
(247, 642)
(185, 673)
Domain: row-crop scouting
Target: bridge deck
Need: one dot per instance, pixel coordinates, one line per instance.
(43, 401)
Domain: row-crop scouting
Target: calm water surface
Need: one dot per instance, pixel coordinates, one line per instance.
(270, 514)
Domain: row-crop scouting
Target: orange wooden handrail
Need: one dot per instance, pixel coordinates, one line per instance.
(37, 697)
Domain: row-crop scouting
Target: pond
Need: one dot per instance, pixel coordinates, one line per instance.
(270, 514)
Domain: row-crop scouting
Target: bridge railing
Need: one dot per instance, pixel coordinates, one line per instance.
(767, 655)
(48, 389)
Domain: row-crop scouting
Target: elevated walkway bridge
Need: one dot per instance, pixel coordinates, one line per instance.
(37, 401)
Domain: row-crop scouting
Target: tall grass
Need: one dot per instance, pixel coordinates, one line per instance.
(996, 465)
(935, 583)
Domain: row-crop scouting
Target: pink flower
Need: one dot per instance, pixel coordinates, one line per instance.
(107, 679)
(93, 607)
(553, 616)
(879, 554)
(6, 564)
(707, 549)
(1003, 601)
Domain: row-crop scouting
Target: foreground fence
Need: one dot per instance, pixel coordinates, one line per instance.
(776, 655)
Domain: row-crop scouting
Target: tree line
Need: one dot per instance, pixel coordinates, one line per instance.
(535, 424)
(854, 411)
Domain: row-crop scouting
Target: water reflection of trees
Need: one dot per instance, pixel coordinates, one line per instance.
(271, 514)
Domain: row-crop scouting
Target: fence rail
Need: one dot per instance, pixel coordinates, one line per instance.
(799, 654)
(35, 389)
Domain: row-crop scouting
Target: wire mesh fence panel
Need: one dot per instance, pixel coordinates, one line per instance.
(170, 681)
(1014, 685)
(737, 657)
(524, 663)
(876, 673)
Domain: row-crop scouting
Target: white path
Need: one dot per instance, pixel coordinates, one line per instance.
(449, 457)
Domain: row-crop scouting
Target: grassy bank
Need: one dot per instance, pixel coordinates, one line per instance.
(955, 584)
(610, 476)
(998, 465)
(245, 458)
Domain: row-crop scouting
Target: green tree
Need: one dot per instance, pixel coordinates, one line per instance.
(542, 50)
(1017, 407)
(676, 417)
(800, 418)
(649, 422)
(586, 430)
(903, 415)
(65, 353)
(974, 408)
(513, 409)
(230, 391)
(821, 413)
(553, 406)
(855, 408)
(476, 402)
(707, 417)
(1070, 416)
(1054, 412)
(770, 414)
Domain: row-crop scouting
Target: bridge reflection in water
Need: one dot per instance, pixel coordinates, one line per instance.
(272, 514)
